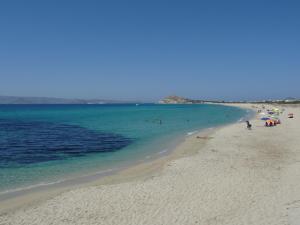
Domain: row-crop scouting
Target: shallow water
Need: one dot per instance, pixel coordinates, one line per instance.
(41, 144)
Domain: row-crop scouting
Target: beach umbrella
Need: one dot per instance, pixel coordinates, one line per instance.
(265, 118)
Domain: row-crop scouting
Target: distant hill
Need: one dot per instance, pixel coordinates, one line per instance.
(46, 100)
(173, 99)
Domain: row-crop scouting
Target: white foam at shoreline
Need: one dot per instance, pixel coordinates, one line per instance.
(191, 133)
(162, 152)
(31, 187)
(45, 184)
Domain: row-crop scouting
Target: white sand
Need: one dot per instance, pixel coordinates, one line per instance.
(238, 177)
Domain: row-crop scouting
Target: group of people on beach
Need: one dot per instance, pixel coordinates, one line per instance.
(271, 116)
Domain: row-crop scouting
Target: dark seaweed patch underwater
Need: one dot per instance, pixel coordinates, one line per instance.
(28, 142)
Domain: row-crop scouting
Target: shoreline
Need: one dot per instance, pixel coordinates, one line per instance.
(235, 176)
(141, 169)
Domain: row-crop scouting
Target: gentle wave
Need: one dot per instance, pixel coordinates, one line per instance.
(158, 153)
(31, 187)
(191, 133)
(163, 151)
(45, 184)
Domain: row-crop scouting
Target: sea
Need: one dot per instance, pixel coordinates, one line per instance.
(42, 145)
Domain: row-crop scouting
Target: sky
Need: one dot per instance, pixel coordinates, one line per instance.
(146, 50)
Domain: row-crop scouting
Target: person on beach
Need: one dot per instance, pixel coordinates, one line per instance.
(249, 126)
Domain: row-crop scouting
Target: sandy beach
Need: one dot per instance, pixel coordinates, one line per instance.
(231, 175)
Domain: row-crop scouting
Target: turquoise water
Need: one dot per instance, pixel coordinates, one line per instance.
(48, 143)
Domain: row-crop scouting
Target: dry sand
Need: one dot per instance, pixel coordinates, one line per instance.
(237, 176)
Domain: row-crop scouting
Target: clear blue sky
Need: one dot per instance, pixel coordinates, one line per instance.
(145, 50)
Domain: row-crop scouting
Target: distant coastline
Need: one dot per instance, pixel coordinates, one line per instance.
(173, 99)
(49, 100)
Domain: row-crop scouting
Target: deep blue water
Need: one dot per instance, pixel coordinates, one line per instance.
(28, 142)
(47, 143)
